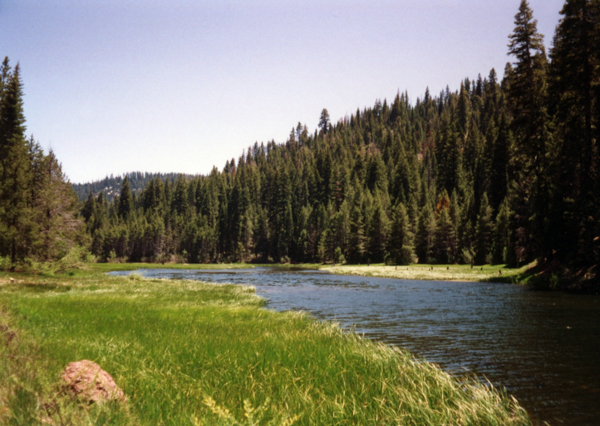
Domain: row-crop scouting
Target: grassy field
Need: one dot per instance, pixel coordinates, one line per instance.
(190, 353)
(486, 273)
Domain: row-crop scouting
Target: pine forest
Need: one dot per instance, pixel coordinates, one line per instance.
(501, 171)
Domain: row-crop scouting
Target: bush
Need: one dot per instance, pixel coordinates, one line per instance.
(407, 256)
(76, 258)
(5, 263)
(338, 256)
(468, 256)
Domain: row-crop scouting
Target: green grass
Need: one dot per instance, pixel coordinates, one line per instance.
(189, 353)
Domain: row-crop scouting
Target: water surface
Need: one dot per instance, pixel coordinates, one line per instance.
(543, 347)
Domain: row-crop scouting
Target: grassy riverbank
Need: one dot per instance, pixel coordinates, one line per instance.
(192, 353)
(486, 273)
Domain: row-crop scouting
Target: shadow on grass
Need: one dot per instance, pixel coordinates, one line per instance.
(507, 279)
(553, 276)
(37, 288)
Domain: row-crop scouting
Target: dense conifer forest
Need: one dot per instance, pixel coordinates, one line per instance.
(111, 185)
(499, 171)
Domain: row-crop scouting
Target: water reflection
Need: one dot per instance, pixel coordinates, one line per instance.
(542, 346)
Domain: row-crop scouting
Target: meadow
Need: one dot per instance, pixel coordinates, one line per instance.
(485, 273)
(191, 353)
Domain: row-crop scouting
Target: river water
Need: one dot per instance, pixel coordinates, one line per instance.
(543, 347)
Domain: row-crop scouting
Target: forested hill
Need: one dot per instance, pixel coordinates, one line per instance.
(498, 171)
(111, 185)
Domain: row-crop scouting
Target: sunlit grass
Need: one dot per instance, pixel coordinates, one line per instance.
(496, 273)
(190, 353)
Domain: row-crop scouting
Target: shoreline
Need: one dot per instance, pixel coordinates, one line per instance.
(429, 272)
(454, 273)
(213, 347)
(533, 275)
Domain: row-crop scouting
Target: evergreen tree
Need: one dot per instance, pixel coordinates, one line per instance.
(425, 235)
(575, 77)
(499, 163)
(125, 208)
(16, 219)
(484, 232)
(378, 233)
(89, 207)
(501, 234)
(324, 123)
(56, 212)
(180, 202)
(444, 246)
(401, 239)
(356, 238)
(527, 98)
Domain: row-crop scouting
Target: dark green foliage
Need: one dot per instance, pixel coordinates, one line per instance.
(125, 202)
(38, 208)
(445, 241)
(501, 234)
(425, 235)
(111, 185)
(356, 237)
(575, 100)
(484, 232)
(16, 218)
(378, 233)
(400, 245)
(527, 97)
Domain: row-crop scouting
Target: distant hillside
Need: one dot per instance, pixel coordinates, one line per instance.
(111, 185)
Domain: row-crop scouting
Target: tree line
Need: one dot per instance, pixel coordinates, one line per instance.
(111, 185)
(498, 171)
(39, 212)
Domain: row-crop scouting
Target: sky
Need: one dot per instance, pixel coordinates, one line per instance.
(113, 86)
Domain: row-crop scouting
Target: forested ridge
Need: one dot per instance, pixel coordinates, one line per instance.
(500, 171)
(111, 185)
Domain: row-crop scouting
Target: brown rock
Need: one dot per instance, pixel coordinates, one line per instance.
(90, 382)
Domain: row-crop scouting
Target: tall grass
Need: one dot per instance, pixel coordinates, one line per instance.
(190, 353)
(489, 273)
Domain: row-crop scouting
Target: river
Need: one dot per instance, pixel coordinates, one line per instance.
(543, 347)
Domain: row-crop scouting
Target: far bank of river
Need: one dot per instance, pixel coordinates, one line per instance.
(486, 273)
(541, 346)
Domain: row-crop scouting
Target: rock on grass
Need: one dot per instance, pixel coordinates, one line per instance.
(90, 382)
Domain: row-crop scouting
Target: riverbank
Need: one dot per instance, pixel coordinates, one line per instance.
(186, 352)
(536, 276)
(486, 273)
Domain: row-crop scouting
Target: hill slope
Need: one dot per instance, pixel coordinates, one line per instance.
(111, 185)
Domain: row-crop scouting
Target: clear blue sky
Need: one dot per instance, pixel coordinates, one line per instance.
(179, 86)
